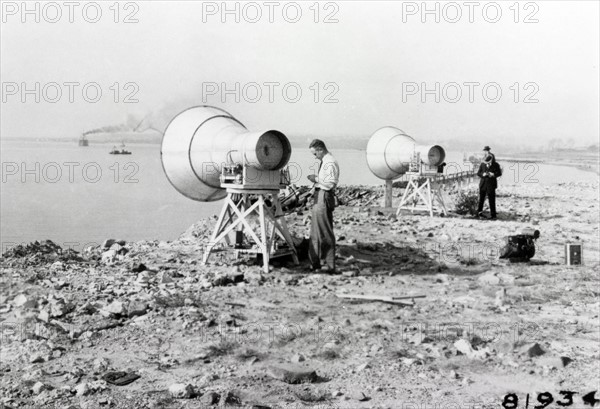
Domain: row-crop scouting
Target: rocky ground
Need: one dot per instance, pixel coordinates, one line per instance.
(76, 328)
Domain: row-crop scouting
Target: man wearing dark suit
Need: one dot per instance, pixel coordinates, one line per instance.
(489, 171)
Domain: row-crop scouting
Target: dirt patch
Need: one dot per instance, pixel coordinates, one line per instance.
(197, 339)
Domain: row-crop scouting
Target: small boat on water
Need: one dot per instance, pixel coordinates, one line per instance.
(121, 151)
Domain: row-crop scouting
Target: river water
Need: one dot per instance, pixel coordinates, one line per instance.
(78, 195)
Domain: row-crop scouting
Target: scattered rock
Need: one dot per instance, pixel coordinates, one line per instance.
(100, 365)
(292, 374)
(254, 276)
(506, 279)
(138, 268)
(535, 350)
(116, 308)
(442, 278)
(44, 315)
(298, 358)
(229, 398)
(120, 249)
(417, 338)
(39, 387)
(58, 308)
(210, 398)
(225, 279)
(95, 386)
(362, 367)
(109, 256)
(136, 308)
(36, 358)
(181, 391)
(106, 244)
(565, 360)
(553, 362)
(464, 347)
(24, 301)
(208, 379)
(165, 278)
(87, 308)
(489, 278)
(143, 279)
(359, 396)
(82, 389)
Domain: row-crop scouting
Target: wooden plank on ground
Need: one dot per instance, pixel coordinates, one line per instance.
(382, 298)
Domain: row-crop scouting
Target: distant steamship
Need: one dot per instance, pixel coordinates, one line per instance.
(83, 141)
(122, 151)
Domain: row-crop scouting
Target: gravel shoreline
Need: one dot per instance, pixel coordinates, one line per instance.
(229, 334)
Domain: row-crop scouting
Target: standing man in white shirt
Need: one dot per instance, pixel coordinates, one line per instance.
(321, 251)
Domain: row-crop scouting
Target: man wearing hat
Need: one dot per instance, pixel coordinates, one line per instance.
(489, 171)
(487, 152)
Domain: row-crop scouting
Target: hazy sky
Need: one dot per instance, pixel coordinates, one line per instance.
(372, 65)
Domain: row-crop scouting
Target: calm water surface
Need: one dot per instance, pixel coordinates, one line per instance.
(77, 195)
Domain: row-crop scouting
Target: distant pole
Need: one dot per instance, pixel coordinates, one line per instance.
(387, 196)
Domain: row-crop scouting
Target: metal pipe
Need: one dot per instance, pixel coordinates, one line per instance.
(432, 155)
(200, 140)
(390, 152)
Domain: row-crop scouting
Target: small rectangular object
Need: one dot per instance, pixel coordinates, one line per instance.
(254, 179)
(573, 254)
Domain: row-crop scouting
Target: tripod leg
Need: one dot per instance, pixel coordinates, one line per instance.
(218, 228)
(281, 224)
(404, 197)
(263, 233)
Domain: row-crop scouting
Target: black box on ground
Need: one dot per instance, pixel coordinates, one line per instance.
(574, 254)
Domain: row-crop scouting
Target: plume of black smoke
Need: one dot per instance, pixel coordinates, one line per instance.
(156, 121)
(108, 129)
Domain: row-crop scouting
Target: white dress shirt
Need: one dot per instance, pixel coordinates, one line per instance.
(329, 173)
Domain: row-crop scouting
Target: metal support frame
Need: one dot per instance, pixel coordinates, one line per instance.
(236, 212)
(388, 194)
(422, 195)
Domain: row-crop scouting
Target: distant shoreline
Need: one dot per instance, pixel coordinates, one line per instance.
(518, 156)
(584, 160)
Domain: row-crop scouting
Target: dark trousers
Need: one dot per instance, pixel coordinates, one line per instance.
(490, 192)
(321, 250)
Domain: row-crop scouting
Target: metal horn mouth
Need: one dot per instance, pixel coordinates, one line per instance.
(200, 140)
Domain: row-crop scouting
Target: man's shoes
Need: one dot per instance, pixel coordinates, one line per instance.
(328, 270)
(493, 218)
(323, 269)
